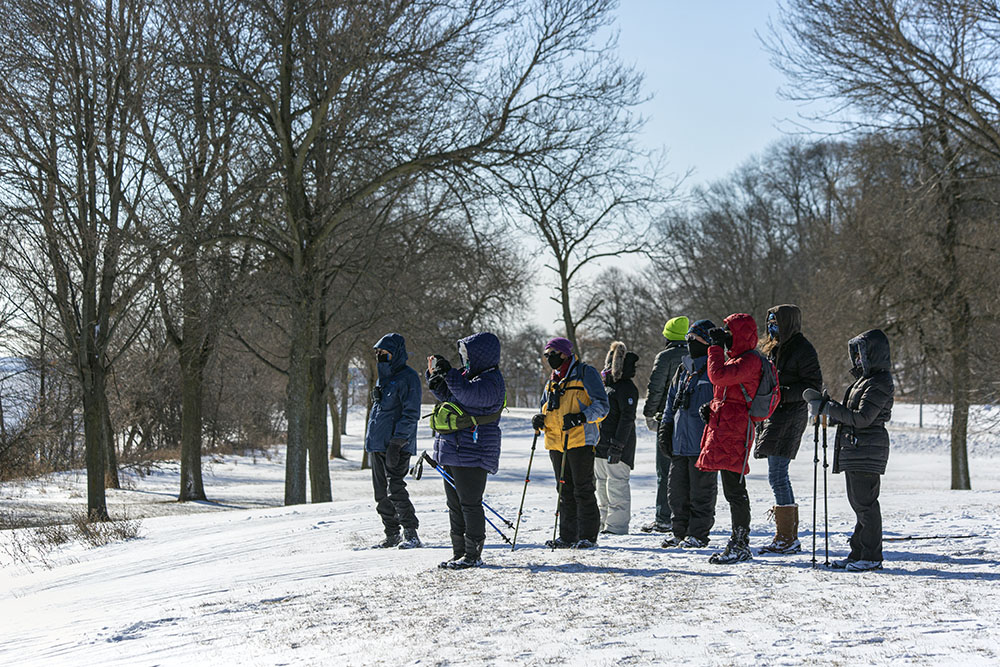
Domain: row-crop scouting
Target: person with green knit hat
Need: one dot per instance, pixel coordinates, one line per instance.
(664, 367)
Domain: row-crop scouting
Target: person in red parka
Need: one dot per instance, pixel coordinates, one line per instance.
(725, 444)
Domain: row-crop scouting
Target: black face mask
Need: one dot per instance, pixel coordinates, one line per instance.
(697, 349)
(382, 357)
(555, 360)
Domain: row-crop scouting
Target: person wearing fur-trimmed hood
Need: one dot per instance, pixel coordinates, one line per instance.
(615, 455)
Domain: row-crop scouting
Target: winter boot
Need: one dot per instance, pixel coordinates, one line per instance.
(473, 551)
(863, 565)
(692, 542)
(391, 540)
(671, 541)
(656, 527)
(410, 539)
(841, 564)
(786, 536)
(585, 544)
(457, 550)
(559, 543)
(737, 551)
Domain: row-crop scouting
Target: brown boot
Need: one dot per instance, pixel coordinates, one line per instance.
(786, 538)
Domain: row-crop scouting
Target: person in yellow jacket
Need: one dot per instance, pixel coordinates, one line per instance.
(573, 405)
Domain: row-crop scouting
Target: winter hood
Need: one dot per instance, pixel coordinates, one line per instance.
(789, 318)
(619, 362)
(394, 344)
(481, 351)
(872, 347)
(744, 330)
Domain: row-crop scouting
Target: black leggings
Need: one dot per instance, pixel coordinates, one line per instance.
(734, 487)
(465, 502)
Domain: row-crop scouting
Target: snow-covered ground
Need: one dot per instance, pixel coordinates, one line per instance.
(242, 580)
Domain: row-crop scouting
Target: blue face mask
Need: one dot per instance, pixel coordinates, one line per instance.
(772, 328)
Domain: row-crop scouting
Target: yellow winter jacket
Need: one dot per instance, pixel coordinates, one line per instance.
(582, 390)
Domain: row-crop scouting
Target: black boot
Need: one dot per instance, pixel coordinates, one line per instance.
(457, 550)
(738, 549)
(410, 539)
(473, 549)
(391, 540)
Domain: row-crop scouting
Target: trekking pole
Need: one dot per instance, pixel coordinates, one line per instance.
(451, 482)
(527, 478)
(826, 509)
(815, 483)
(559, 488)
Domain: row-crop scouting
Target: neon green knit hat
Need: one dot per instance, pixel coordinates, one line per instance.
(675, 328)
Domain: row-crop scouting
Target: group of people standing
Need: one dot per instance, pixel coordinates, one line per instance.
(698, 402)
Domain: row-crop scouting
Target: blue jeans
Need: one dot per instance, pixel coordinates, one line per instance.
(777, 477)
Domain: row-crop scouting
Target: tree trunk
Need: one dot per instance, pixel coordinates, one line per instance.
(960, 379)
(305, 407)
(335, 439)
(192, 374)
(111, 480)
(94, 440)
(345, 394)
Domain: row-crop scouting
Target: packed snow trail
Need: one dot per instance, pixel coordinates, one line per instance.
(299, 585)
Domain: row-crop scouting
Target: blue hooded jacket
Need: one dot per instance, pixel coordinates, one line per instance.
(479, 390)
(688, 424)
(396, 413)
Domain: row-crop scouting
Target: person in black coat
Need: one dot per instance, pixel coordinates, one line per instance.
(861, 449)
(615, 454)
(779, 436)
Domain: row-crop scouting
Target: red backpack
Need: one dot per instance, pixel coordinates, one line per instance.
(768, 395)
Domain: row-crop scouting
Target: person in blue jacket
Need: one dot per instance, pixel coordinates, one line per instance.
(391, 440)
(692, 492)
(470, 454)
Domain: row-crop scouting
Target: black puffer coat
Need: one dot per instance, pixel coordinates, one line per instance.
(798, 370)
(618, 428)
(862, 442)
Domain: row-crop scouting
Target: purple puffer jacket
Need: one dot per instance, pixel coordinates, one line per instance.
(479, 390)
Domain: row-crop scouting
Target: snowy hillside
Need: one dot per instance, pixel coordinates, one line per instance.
(242, 580)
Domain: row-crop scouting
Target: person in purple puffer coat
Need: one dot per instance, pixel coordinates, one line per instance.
(469, 455)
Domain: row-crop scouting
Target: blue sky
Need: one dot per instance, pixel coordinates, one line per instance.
(715, 94)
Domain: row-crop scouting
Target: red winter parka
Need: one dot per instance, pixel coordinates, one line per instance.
(729, 434)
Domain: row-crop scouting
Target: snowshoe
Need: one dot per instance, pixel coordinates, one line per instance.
(559, 543)
(390, 541)
(410, 541)
(656, 527)
(864, 566)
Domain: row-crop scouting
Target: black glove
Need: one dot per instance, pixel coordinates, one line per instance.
(614, 456)
(705, 412)
(573, 419)
(436, 382)
(538, 422)
(719, 336)
(665, 438)
(394, 450)
(440, 365)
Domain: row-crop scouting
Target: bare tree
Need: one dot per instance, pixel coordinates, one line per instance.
(71, 80)
(355, 99)
(908, 66)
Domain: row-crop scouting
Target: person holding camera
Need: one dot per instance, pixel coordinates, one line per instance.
(693, 492)
(725, 445)
(615, 455)
(392, 439)
(573, 404)
(469, 454)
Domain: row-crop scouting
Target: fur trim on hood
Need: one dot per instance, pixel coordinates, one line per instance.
(614, 362)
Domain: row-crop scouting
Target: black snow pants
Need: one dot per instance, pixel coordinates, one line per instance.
(579, 515)
(391, 497)
(465, 507)
(862, 492)
(693, 494)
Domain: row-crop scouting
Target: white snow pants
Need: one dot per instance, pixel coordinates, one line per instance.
(613, 495)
